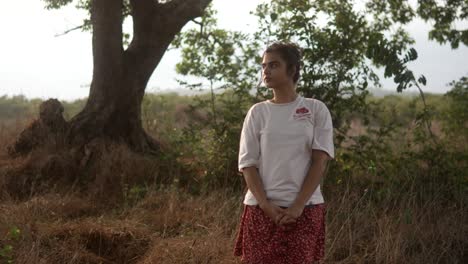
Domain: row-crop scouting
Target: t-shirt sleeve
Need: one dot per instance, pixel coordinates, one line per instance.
(323, 130)
(249, 147)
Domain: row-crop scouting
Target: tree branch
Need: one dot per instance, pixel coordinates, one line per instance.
(71, 29)
(187, 9)
(155, 26)
(141, 8)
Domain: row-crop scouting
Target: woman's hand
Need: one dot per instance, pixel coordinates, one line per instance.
(273, 211)
(291, 214)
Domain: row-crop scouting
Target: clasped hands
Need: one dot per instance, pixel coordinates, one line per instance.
(282, 216)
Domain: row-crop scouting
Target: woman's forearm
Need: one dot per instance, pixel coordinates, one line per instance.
(255, 185)
(312, 179)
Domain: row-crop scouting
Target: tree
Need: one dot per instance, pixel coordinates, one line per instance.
(120, 75)
(86, 149)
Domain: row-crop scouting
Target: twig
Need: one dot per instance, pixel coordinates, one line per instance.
(70, 30)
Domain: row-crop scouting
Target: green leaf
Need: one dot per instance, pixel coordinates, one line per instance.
(273, 17)
(422, 80)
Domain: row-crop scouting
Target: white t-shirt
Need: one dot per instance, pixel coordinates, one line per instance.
(278, 139)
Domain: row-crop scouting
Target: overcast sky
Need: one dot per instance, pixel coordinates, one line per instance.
(36, 63)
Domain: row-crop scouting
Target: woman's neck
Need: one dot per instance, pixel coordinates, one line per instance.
(284, 95)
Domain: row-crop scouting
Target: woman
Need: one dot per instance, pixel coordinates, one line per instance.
(284, 147)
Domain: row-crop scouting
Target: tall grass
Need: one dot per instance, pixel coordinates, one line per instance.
(168, 225)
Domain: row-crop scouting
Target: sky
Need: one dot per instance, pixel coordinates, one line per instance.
(37, 63)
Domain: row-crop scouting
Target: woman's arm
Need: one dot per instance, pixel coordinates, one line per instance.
(255, 185)
(313, 177)
(311, 182)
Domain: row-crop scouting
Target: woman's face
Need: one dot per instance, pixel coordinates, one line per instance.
(274, 71)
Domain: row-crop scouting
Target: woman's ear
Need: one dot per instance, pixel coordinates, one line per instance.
(291, 71)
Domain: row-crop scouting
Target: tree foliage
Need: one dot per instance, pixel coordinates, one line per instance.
(339, 44)
(456, 117)
(443, 14)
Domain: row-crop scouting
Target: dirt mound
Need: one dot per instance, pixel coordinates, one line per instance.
(48, 129)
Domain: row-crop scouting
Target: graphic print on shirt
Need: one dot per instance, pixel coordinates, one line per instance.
(301, 112)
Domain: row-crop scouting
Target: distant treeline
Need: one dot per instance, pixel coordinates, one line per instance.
(19, 107)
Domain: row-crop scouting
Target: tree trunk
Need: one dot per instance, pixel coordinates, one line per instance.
(113, 109)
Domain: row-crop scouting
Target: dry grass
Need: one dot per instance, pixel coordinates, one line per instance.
(164, 227)
(168, 226)
(397, 230)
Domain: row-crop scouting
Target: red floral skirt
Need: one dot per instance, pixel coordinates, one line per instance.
(260, 240)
